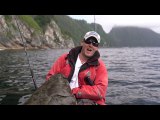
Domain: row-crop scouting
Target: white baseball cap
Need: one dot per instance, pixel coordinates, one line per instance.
(92, 34)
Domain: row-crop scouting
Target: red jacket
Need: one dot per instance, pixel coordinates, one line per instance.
(94, 68)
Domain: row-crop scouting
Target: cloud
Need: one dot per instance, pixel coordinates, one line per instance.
(109, 21)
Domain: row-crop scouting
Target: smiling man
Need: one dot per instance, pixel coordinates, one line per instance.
(86, 72)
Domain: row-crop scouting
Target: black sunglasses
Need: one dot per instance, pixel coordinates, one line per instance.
(89, 41)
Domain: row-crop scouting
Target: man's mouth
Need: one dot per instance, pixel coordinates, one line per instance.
(89, 49)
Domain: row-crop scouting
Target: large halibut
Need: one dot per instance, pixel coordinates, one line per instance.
(55, 91)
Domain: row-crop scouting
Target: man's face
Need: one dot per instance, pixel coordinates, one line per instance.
(89, 47)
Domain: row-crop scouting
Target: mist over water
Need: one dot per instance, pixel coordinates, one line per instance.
(134, 77)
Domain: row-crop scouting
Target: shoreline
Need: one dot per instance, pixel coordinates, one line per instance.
(2, 49)
(22, 48)
(45, 48)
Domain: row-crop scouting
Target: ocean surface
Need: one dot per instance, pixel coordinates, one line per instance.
(134, 74)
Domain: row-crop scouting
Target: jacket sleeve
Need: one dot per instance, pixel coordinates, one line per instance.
(57, 66)
(97, 91)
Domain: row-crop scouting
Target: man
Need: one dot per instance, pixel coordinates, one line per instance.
(85, 71)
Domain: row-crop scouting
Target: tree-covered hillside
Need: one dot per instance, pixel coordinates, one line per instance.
(77, 28)
(133, 37)
(71, 27)
(61, 31)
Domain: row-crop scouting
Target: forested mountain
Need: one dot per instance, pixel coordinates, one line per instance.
(133, 37)
(17, 31)
(77, 28)
(61, 31)
(42, 31)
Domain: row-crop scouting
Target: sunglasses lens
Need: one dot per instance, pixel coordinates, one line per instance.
(89, 41)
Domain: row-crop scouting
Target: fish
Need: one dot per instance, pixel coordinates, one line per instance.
(55, 91)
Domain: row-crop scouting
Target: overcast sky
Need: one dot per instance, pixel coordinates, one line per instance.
(108, 21)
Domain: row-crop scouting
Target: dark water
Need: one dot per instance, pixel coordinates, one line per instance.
(134, 74)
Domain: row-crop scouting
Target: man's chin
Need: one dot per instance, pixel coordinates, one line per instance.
(89, 55)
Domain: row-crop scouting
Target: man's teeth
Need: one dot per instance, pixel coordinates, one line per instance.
(89, 49)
